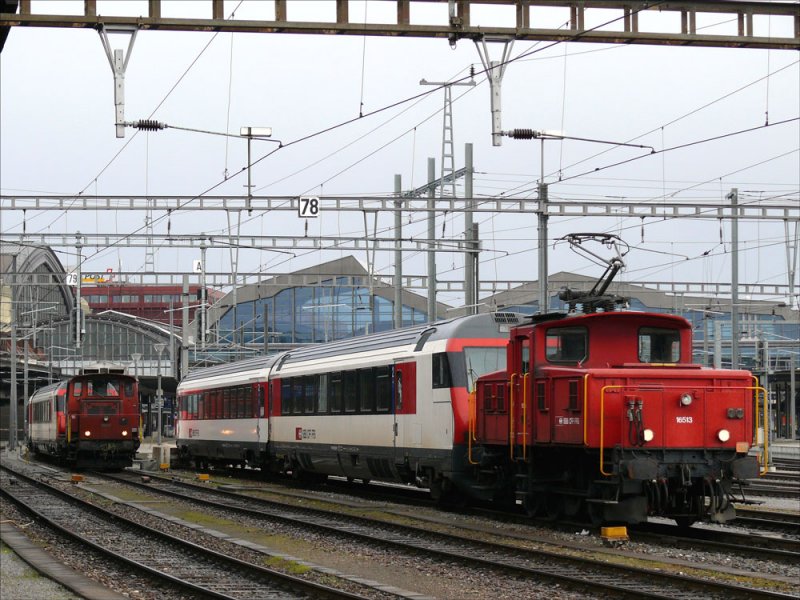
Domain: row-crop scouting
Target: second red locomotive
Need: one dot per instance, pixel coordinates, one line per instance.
(91, 420)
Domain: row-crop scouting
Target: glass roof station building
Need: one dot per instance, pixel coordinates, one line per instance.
(331, 301)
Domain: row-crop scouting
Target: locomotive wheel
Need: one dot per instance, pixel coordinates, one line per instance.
(572, 505)
(533, 504)
(554, 506)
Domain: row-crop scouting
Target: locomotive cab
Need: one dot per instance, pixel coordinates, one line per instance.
(605, 415)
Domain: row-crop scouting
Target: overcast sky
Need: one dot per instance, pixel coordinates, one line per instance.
(57, 136)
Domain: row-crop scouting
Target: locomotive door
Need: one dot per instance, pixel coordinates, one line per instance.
(520, 407)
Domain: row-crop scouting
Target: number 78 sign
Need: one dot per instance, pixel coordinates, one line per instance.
(308, 207)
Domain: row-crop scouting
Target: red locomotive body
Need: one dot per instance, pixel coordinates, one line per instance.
(604, 414)
(90, 420)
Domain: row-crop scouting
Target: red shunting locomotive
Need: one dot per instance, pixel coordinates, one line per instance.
(91, 420)
(604, 415)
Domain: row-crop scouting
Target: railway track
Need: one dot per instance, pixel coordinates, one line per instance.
(187, 566)
(780, 522)
(583, 573)
(718, 540)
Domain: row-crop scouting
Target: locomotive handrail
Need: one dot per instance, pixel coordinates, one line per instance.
(511, 415)
(757, 388)
(472, 401)
(585, 408)
(525, 379)
(602, 424)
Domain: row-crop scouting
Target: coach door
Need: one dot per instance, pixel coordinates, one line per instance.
(407, 429)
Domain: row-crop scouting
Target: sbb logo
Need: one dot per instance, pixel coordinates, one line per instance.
(683, 419)
(298, 433)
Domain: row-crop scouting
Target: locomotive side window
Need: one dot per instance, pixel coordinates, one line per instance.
(76, 388)
(566, 344)
(441, 371)
(541, 401)
(573, 395)
(500, 398)
(659, 345)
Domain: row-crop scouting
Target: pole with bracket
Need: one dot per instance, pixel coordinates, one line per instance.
(119, 63)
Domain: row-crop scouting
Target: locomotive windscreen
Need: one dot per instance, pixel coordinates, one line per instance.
(480, 361)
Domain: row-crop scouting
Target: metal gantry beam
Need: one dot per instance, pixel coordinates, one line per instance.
(623, 25)
(281, 243)
(416, 282)
(761, 210)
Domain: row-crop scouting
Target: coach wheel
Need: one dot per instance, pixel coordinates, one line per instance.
(365, 481)
(685, 522)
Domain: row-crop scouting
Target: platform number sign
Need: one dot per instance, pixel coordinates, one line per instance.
(72, 279)
(308, 207)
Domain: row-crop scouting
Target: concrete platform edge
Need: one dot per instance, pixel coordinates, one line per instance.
(50, 567)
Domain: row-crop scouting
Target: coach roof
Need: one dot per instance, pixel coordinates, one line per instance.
(486, 325)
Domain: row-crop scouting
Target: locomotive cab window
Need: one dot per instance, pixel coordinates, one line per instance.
(566, 344)
(659, 345)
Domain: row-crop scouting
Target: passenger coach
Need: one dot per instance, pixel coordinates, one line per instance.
(392, 406)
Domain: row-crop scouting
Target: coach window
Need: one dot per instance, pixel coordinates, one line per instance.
(441, 371)
(383, 389)
(658, 345)
(297, 395)
(322, 394)
(310, 384)
(350, 391)
(336, 392)
(226, 403)
(286, 396)
(566, 344)
(366, 390)
(219, 404)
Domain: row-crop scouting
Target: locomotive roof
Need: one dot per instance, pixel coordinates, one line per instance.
(250, 364)
(554, 318)
(485, 325)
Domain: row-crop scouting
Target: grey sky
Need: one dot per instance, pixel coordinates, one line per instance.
(57, 118)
